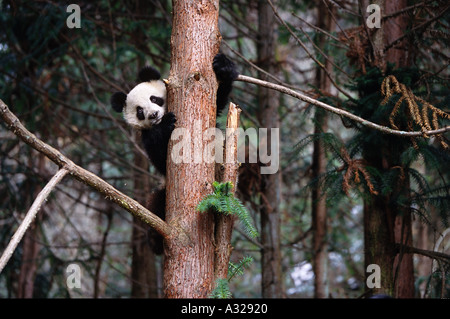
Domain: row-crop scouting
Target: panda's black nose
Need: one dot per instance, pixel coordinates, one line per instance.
(153, 116)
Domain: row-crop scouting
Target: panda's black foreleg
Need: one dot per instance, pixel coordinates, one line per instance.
(225, 73)
(156, 140)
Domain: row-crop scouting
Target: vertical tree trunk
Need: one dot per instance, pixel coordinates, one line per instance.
(385, 221)
(319, 209)
(378, 241)
(28, 265)
(268, 101)
(403, 264)
(30, 245)
(189, 259)
(143, 268)
(424, 264)
(319, 214)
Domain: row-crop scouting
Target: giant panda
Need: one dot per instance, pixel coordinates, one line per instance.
(145, 108)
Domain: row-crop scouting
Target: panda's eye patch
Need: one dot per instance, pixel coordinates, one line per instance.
(157, 100)
(140, 113)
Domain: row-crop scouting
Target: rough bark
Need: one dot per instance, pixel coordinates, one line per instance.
(189, 261)
(268, 102)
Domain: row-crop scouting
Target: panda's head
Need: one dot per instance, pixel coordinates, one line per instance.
(145, 105)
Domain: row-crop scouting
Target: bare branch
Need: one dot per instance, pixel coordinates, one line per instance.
(84, 175)
(337, 111)
(428, 253)
(29, 217)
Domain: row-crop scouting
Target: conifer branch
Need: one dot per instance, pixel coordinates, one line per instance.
(391, 86)
(222, 201)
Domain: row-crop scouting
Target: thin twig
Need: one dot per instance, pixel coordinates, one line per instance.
(29, 217)
(337, 111)
(328, 34)
(318, 49)
(299, 41)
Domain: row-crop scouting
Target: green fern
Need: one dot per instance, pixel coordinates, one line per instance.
(222, 200)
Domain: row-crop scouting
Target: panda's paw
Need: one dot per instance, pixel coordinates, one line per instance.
(224, 68)
(169, 119)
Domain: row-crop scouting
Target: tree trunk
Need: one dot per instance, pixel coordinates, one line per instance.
(189, 259)
(28, 264)
(378, 242)
(144, 281)
(318, 201)
(398, 54)
(319, 214)
(143, 268)
(386, 222)
(30, 245)
(268, 101)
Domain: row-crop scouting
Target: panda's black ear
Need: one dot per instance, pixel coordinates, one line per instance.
(118, 101)
(148, 74)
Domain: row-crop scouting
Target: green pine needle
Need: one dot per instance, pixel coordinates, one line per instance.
(222, 290)
(238, 269)
(222, 200)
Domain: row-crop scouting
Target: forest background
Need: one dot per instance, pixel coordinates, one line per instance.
(347, 195)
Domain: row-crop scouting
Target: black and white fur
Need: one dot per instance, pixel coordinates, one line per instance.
(145, 108)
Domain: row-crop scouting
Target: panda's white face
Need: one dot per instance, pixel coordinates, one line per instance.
(145, 104)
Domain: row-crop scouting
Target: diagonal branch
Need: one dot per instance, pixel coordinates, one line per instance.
(337, 111)
(84, 175)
